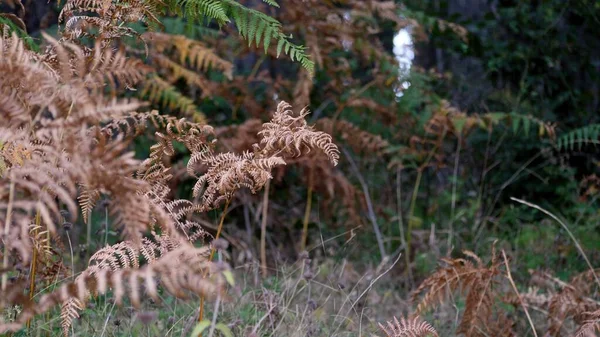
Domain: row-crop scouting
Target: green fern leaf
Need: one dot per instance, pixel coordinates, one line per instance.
(272, 3)
(199, 9)
(267, 38)
(579, 137)
(259, 32)
(280, 46)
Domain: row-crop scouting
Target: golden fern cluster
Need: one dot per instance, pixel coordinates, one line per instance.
(332, 183)
(474, 279)
(64, 145)
(572, 310)
(166, 58)
(285, 137)
(574, 303)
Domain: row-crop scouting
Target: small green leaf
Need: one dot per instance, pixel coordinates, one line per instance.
(224, 329)
(267, 38)
(200, 327)
(229, 277)
(280, 46)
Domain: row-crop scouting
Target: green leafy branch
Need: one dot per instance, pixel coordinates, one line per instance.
(253, 25)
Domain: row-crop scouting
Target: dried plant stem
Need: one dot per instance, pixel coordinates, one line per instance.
(263, 230)
(307, 210)
(33, 267)
(6, 230)
(454, 183)
(512, 283)
(411, 212)
(410, 279)
(564, 226)
(370, 209)
(88, 239)
(212, 253)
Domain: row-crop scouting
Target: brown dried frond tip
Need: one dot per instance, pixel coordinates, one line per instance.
(180, 272)
(408, 328)
(591, 324)
(227, 172)
(476, 280)
(291, 136)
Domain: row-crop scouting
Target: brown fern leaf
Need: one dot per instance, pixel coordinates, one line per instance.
(160, 91)
(460, 274)
(591, 324)
(110, 17)
(228, 172)
(408, 328)
(361, 141)
(181, 272)
(177, 71)
(290, 136)
(189, 51)
(573, 302)
(69, 312)
(241, 137)
(87, 200)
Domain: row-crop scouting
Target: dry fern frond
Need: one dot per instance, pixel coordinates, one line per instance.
(408, 328)
(228, 172)
(181, 272)
(475, 279)
(572, 302)
(189, 51)
(361, 141)
(160, 91)
(591, 324)
(177, 71)
(110, 19)
(284, 136)
(291, 136)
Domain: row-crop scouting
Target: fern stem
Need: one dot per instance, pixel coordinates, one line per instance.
(370, 208)
(263, 230)
(411, 212)
(33, 267)
(307, 210)
(88, 235)
(410, 279)
(512, 283)
(212, 254)
(454, 183)
(6, 230)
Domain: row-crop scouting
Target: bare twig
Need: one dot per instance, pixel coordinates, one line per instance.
(512, 283)
(370, 209)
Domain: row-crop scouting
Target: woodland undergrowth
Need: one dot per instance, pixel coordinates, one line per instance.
(110, 177)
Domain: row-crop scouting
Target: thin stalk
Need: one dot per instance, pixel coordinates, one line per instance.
(401, 225)
(88, 239)
(212, 253)
(72, 255)
(33, 267)
(512, 283)
(106, 226)
(370, 209)
(7, 230)
(216, 312)
(413, 201)
(454, 183)
(307, 210)
(263, 230)
(564, 226)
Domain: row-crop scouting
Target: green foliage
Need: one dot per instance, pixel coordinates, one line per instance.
(8, 20)
(588, 134)
(253, 25)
